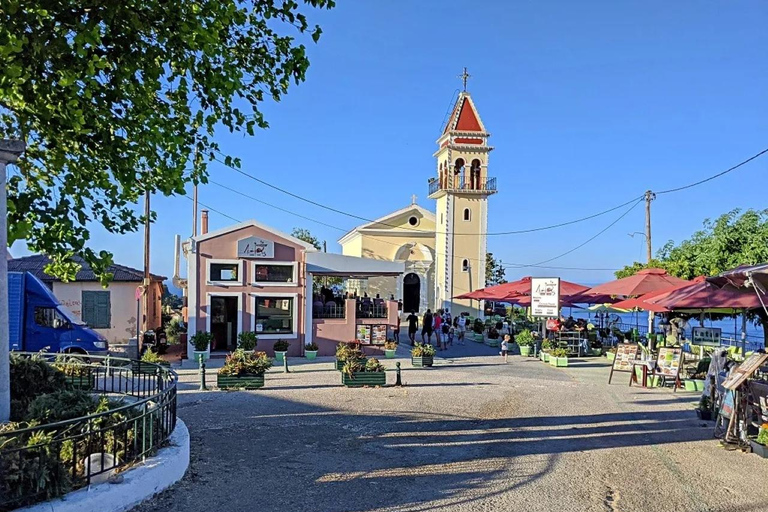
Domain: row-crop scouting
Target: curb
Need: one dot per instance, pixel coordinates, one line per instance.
(140, 483)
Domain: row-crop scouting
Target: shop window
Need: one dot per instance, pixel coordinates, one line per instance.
(274, 315)
(97, 309)
(224, 271)
(465, 266)
(274, 273)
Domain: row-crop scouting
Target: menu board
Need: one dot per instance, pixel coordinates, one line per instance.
(670, 361)
(742, 372)
(363, 334)
(379, 334)
(626, 354)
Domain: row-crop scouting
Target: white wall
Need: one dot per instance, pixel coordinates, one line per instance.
(122, 299)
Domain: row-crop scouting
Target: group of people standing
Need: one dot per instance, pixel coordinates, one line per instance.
(441, 323)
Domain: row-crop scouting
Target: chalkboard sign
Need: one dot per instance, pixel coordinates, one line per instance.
(626, 355)
(669, 363)
(742, 372)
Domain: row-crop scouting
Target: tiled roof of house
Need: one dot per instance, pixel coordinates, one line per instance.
(36, 263)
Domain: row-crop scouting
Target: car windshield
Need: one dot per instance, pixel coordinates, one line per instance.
(69, 315)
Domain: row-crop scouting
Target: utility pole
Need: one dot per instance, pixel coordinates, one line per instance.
(147, 212)
(194, 211)
(649, 196)
(10, 151)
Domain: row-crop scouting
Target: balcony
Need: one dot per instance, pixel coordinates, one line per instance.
(480, 186)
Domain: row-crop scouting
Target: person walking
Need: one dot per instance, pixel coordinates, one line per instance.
(461, 325)
(505, 347)
(437, 327)
(413, 326)
(426, 326)
(446, 329)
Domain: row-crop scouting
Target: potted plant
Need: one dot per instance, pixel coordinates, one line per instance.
(247, 341)
(760, 444)
(348, 352)
(704, 410)
(201, 340)
(525, 342)
(390, 348)
(76, 373)
(493, 337)
(280, 348)
(611, 354)
(595, 345)
(695, 382)
(546, 347)
(422, 354)
(149, 363)
(558, 357)
(356, 374)
(310, 350)
(243, 370)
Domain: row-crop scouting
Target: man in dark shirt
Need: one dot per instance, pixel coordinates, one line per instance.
(426, 326)
(413, 326)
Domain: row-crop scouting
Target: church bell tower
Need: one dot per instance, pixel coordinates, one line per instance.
(461, 188)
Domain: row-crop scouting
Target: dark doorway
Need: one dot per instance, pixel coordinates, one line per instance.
(411, 292)
(224, 313)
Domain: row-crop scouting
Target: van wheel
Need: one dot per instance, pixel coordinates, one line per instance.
(78, 353)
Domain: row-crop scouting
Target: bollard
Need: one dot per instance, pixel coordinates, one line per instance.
(201, 368)
(398, 381)
(285, 364)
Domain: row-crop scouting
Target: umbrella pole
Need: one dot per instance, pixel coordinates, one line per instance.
(744, 333)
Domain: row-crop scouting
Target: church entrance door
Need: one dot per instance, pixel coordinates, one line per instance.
(411, 292)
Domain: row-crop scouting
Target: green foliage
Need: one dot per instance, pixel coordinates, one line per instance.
(30, 378)
(281, 346)
(171, 300)
(349, 352)
(61, 405)
(72, 366)
(306, 236)
(247, 340)
(390, 345)
(241, 362)
(478, 326)
(559, 352)
(762, 436)
(373, 365)
(201, 340)
(311, 346)
(150, 356)
(353, 366)
(494, 272)
(422, 350)
(525, 338)
(546, 345)
(173, 328)
(116, 98)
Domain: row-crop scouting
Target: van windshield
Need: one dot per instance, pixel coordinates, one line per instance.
(69, 315)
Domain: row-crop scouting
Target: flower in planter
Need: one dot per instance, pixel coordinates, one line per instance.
(373, 365)
(247, 340)
(348, 352)
(71, 366)
(281, 346)
(241, 362)
(201, 340)
(311, 347)
(150, 356)
(762, 436)
(546, 346)
(422, 350)
(559, 352)
(390, 345)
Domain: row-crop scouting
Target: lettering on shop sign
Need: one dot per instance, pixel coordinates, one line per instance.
(255, 247)
(545, 297)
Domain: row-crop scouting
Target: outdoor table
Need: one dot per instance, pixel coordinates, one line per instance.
(646, 367)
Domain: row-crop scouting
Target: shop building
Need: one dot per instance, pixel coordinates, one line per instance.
(250, 277)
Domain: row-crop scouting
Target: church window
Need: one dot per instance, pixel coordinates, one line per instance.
(467, 214)
(441, 219)
(465, 266)
(413, 221)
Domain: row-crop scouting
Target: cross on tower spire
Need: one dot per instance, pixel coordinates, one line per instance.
(464, 77)
(413, 199)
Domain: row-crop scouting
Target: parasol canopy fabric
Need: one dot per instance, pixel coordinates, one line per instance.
(704, 295)
(520, 287)
(475, 295)
(646, 281)
(607, 307)
(740, 276)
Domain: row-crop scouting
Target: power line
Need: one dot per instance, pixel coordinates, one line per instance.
(214, 210)
(669, 191)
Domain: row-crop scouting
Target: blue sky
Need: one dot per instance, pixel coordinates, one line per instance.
(589, 104)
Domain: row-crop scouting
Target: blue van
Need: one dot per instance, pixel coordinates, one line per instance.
(37, 321)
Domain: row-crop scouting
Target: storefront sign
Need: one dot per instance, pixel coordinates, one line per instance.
(255, 247)
(626, 355)
(707, 336)
(363, 334)
(545, 296)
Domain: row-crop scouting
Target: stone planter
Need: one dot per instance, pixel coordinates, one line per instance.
(310, 354)
(694, 385)
(525, 350)
(420, 362)
(478, 338)
(389, 354)
(558, 361)
(206, 355)
(339, 364)
(279, 356)
(84, 382)
(361, 379)
(610, 356)
(245, 381)
(760, 449)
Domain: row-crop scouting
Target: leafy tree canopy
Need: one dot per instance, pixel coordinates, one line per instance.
(117, 98)
(305, 235)
(494, 271)
(732, 239)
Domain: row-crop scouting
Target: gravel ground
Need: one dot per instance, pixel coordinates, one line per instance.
(470, 434)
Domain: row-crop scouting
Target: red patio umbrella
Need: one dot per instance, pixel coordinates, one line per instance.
(702, 294)
(475, 295)
(646, 281)
(521, 287)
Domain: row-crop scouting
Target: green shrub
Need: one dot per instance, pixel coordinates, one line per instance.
(478, 326)
(173, 328)
(525, 338)
(30, 378)
(62, 405)
(546, 345)
(201, 340)
(150, 356)
(281, 346)
(559, 352)
(422, 350)
(311, 346)
(349, 352)
(247, 340)
(241, 362)
(373, 365)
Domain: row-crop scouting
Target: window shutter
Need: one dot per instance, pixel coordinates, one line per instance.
(103, 310)
(88, 314)
(97, 309)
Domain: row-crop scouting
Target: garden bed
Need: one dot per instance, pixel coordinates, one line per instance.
(245, 381)
(422, 361)
(362, 379)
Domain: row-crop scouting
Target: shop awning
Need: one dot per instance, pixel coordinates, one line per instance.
(338, 265)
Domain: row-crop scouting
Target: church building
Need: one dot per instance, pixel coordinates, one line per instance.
(443, 252)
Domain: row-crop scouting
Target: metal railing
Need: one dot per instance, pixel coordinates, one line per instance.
(329, 311)
(463, 184)
(139, 402)
(371, 310)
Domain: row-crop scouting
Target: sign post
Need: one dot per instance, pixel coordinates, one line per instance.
(626, 355)
(545, 297)
(669, 363)
(139, 293)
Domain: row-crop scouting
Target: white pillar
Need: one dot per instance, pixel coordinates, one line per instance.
(10, 150)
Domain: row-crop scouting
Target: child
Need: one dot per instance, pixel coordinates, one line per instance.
(446, 328)
(505, 347)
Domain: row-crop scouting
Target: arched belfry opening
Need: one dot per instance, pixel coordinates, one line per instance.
(475, 175)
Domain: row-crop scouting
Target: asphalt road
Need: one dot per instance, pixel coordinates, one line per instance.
(471, 434)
